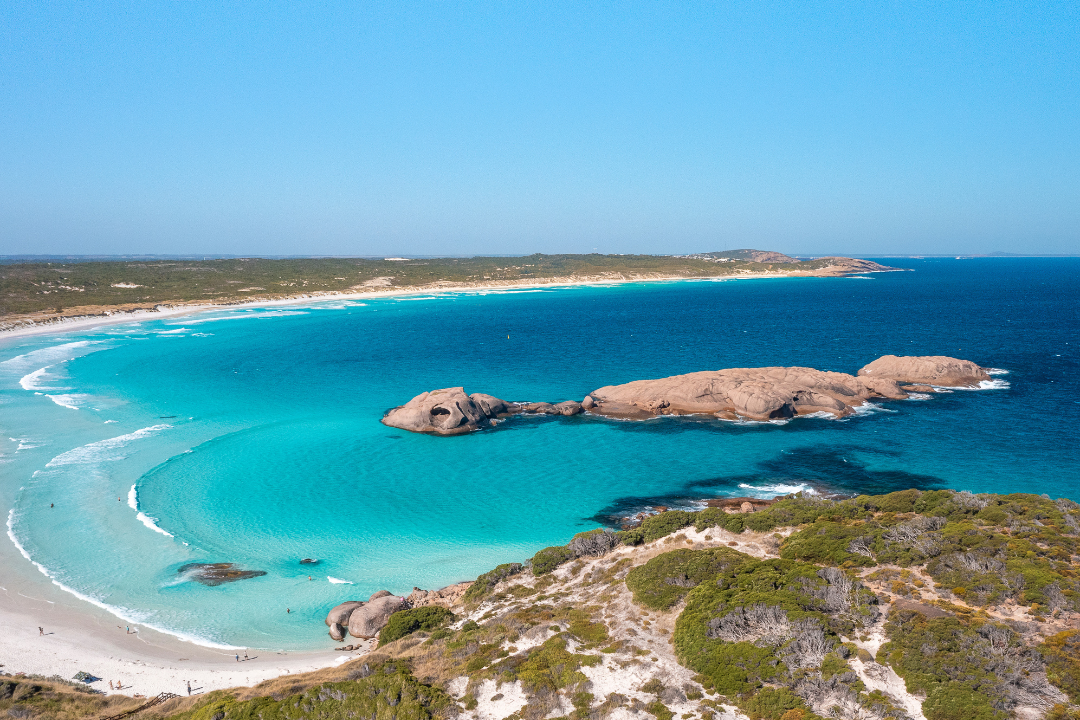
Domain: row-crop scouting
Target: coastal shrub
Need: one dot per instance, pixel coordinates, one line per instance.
(388, 691)
(547, 668)
(717, 517)
(550, 558)
(761, 619)
(593, 543)
(667, 578)
(799, 510)
(947, 657)
(487, 582)
(832, 543)
(956, 701)
(586, 631)
(662, 525)
(1062, 654)
(1063, 712)
(772, 704)
(406, 622)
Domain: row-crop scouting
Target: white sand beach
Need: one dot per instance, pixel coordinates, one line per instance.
(79, 637)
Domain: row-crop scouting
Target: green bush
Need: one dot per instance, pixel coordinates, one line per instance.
(666, 579)
(956, 701)
(383, 692)
(550, 558)
(1062, 654)
(771, 704)
(662, 525)
(487, 582)
(734, 668)
(406, 622)
(827, 542)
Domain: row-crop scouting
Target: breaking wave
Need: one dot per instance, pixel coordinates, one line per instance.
(103, 450)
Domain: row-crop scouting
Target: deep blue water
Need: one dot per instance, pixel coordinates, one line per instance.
(253, 436)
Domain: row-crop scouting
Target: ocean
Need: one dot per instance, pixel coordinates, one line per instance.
(252, 435)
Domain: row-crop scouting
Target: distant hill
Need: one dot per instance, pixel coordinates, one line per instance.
(746, 255)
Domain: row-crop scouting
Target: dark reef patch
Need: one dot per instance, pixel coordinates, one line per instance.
(831, 472)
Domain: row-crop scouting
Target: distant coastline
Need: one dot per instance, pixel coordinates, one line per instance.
(22, 325)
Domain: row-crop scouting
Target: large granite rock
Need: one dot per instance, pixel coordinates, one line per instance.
(337, 631)
(936, 370)
(446, 597)
(368, 620)
(446, 412)
(341, 613)
(743, 393)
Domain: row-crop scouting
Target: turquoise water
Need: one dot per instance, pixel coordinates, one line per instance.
(253, 435)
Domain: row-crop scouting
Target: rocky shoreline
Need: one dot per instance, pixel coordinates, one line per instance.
(754, 394)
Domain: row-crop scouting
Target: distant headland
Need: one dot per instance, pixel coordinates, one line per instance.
(58, 292)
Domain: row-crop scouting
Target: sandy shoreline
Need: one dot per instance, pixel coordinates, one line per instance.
(144, 662)
(120, 316)
(81, 637)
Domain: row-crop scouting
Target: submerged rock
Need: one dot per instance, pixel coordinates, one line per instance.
(368, 620)
(217, 573)
(937, 370)
(309, 561)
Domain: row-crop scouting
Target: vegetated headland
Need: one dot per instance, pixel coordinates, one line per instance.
(915, 605)
(50, 292)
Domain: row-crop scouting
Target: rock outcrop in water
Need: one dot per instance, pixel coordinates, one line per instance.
(365, 622)
(213, 574)
(758, 394)
(446, 412)
(743, 393)
(936, 370)
(451, 412)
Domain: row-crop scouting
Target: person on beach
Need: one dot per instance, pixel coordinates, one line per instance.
(40, 630)
(110, 685)
(188, 687)
(237, 657)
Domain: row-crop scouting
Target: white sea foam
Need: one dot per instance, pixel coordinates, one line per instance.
(202, 334)
(125, 614)
(996, 371)
(247, 316)
(858, 277)
(26, 443)
(178, 331)
(48, 355)
(983, 385)
(103, 450)
(34, 380)
(338, 581)
(70, 401)
(150, 522)
(778, 489)
(920, 396)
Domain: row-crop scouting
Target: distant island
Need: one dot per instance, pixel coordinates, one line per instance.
(42, 293)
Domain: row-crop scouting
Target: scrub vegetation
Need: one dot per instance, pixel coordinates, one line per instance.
(41, 290)
(908, 606)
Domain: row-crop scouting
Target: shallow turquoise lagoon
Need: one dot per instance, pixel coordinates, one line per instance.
(253, 435)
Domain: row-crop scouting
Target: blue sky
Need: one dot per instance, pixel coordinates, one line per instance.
(462, 128)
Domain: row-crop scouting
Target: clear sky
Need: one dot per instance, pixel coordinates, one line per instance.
(360, 128)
